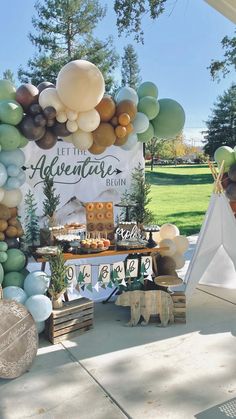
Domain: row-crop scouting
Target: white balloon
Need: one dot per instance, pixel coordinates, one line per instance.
(171, 247)
(82, 140)
(71, 115)
(72, 126)
(140, 123)
(49, 97)
(61, 117)
(169, 231)
(130, 143)
(12, 198)
(88, 121)
(127, 93)
(179, 260)
(182, 244)
(2, 193)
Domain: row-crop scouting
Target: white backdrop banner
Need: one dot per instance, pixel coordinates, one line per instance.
(79, 176)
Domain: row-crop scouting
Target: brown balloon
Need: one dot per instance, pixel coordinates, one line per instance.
(26, 95)
(40, 120)
(126, 106)
(96, 149)
(50, 122)
(60, 130)
(106, 108)
(44, 85)
(47, 141)
(50, 112)
(30, 130)
(124, 119)
(114, 121)
(233, 206)
(120, 131)
(104, 135)
(35, 109)
(121, 141)
(129, 128)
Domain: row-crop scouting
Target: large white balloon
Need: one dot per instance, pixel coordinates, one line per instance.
(127, 93)
(182, 244)
(171, 247)
(140, 123)
(80, 85)
(169, 231)
(130, 143)
(82, 140)
(49, 97)
(88, 121)
(39, 306)
(179, 260)
(14, 293)
(12, 198)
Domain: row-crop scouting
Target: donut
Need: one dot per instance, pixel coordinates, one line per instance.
(91, 226)
(109, 205)
(108, 214)
(90, 206)
(90, 217)
(99, 206)
(100, 227)
(100, 216)
(109, 226)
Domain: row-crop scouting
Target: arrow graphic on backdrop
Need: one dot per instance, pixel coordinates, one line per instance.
(118, 171)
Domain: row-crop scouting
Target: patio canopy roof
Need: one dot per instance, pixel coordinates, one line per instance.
(225, 7)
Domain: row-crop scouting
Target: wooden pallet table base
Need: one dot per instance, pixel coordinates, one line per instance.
(73, 319)
(179, 300)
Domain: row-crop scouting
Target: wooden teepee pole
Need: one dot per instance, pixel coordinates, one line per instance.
(217, 176)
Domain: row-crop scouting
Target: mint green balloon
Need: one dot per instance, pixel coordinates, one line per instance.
(3, 256)
(170, 120)
(224, 153)
(1, 274)
(11, 112)
(15, 261)
(147, 89)
(149, 106)
(147, 135)
(23, 141)
(7, 90)
(15, 279)
(9, 137)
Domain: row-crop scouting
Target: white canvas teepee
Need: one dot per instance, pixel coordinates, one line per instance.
(214, 259)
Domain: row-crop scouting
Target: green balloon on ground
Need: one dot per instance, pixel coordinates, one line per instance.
(149, 106)
(170, 120)
(15, 279)
(147, 135)
(23, 141)
(15, 262)
(11, 112)
(9, 137)
(147, 89)
(7, 90)
(1, 274)
(224, 153)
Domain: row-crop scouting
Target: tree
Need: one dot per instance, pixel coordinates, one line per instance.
(64, 32)
(51, 199)
(228, 63)
(9, 75)
(130, 70)
(130, 14)
(139, 196)
(221, 125)
(32, 230)
(153, 148)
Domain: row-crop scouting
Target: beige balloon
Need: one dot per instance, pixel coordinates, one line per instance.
(12, 198)
(61, 117)
(71, 115)
(80, 85)
(182, 244)
(68, 139)
(82, 140)
(49, 97)
(72, 126)
(88, 121)
(169, 231)
(179, 260)
(171, 247)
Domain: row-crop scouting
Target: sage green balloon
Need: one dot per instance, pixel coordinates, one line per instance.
(15, 279)
(149, 106)
(9, 137)
(15, 261)
(226, 154)
(23, 141)
(1, 274)
(11, 112)
(147, 88)
(7, 90)
(147, 135)
(170, 120)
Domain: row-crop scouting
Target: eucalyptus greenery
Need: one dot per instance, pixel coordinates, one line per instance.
(51, 199)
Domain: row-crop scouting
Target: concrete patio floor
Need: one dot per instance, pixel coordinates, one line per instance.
(113, 371)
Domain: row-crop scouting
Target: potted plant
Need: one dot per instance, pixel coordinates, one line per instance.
(58, 278)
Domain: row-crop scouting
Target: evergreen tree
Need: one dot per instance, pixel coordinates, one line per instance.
(32, 230)
(51, 199)
(139, 196)
(9, 75)
(228, 62)
(64, 32)
(221, 126)
(130, 70)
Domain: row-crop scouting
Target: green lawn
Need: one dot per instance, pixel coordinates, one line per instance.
(180, 195)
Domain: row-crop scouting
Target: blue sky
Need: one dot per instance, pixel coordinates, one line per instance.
(177, 50)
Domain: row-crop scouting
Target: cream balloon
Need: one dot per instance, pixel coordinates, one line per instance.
(12, 198)
(179, 260)
(68, 139)
(82, 140)
(88, 121)
(72, 126)
(80, 85)
(2, 193)
(182, 244)
(156, 236)
(49, 97)
(171, 247)
(169, 231)
(71, 115)
(140, 123)
(61, 117)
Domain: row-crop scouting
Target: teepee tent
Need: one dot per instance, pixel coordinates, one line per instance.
(225, 7)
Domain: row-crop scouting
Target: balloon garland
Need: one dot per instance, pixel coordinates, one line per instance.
(227, 155)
